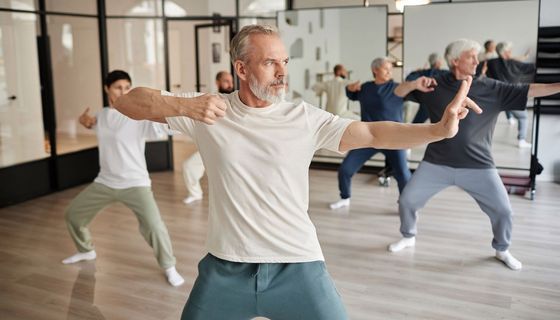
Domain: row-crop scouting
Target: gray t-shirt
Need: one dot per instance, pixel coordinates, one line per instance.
(472, 146)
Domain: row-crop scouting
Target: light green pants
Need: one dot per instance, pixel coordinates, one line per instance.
(140, 200)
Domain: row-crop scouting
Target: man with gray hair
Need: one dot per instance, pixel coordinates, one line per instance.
(507, 69)
(264, 256)
(377, 103)
(435, 62)
(466, 159)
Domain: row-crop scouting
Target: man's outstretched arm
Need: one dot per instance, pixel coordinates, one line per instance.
(423, 84)
(149, 104)
(395, 135)
(543, 89)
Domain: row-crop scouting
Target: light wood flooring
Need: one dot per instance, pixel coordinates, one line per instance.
(451, 274)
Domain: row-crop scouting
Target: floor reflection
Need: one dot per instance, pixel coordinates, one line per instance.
(83, 293)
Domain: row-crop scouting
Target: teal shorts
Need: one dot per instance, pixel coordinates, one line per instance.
(278, 291)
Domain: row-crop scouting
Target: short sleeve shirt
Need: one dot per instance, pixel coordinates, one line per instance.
(257, 162)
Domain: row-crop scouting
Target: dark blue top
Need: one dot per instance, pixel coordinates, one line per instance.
(378, 102)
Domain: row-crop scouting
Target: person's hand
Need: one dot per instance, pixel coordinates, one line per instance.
(207, 108)
(425, 84)
(457, 110)
(86, 120)
(354, 87)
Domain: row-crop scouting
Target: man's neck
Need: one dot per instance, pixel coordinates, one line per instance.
(461, 76)
(249, 99)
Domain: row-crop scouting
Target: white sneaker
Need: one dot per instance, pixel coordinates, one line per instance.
(511, 121)
(340, 204)
(191, 199)
(523, 144)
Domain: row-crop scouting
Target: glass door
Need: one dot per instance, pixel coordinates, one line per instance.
(22, 136)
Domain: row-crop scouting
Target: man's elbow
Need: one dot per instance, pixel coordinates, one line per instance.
(126, 105)
(123, 106)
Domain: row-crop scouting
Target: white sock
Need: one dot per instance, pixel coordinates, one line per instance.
(191, 199)
(402, 244)
(340, 203)
(173, 277)
(508, 260)
(80, 256)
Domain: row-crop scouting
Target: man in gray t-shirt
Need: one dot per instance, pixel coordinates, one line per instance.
(471, 147)
(466, 159)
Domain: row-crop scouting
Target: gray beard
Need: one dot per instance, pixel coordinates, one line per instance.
(263, 92)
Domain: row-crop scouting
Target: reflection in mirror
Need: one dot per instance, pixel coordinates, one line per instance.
(134, 8)
(136, 46)
(76, 77)
(18, 4)
(213, 46)
(318, 40)
(72, 6)
(429, 29)
(22, 136)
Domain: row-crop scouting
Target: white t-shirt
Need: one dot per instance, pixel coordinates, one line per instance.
(122, 142)
(483, 56)
(257, 162)
(337, 102)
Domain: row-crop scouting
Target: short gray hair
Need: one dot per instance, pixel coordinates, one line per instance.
(457, 47)
(378, 62)
(239, 44)
(433, 59)
(503, 47)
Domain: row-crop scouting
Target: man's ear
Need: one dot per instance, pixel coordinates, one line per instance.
(455, 63)
(106, 89)
(240, 69)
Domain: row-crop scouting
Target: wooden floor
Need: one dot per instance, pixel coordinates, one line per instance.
(451, 274)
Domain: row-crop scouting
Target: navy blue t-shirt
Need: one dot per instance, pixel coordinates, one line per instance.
(472, 146)
(378, 102)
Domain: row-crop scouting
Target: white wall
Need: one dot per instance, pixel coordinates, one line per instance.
(550, 13)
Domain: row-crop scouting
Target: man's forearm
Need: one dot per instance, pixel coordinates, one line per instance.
(148, 104)
(405, 88)
(543, 89)
(389, 135)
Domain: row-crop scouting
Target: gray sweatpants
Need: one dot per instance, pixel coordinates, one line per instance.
(484, 185)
